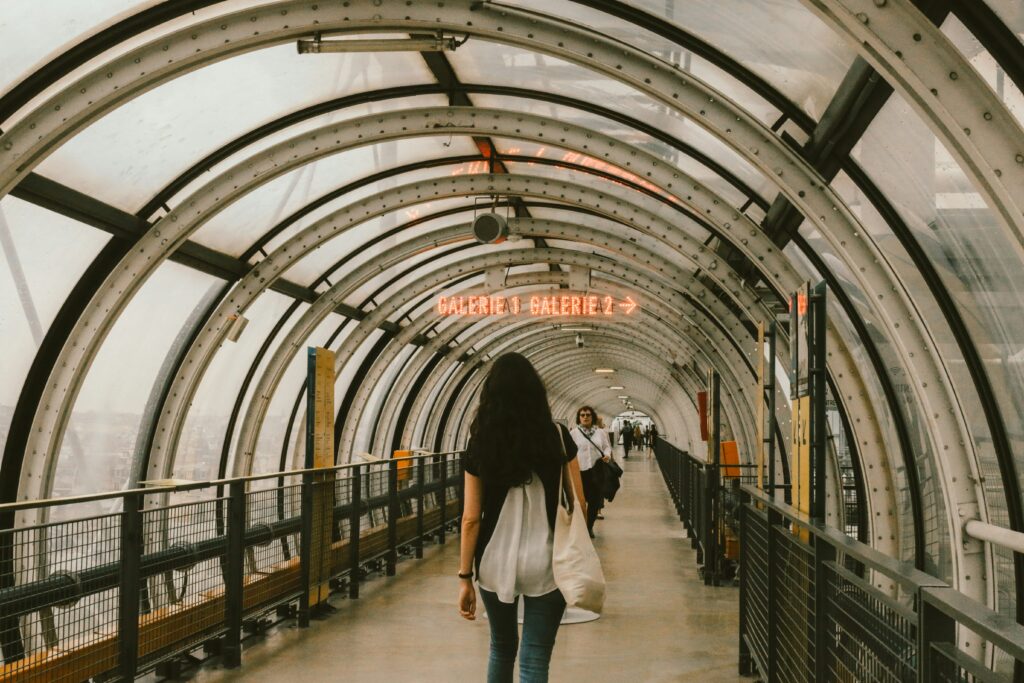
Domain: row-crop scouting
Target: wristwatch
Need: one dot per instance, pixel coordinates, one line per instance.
(467, 575)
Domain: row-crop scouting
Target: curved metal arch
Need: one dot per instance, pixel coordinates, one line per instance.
(568, 43)
(463, 401)
(484, 331)
(651, 329)
(414, 193)
(511, 257)
(931, 74)
(739, 411)
(432, 427)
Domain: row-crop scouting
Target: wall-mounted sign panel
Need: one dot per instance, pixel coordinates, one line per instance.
(537, 306)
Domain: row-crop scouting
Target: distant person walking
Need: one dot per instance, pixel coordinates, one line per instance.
(515, 459)
(627, 438)
(593, 447)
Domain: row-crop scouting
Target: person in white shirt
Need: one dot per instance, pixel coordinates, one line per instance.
(593, 446)
(515, 461)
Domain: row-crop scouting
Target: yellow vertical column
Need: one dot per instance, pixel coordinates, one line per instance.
(322, 443)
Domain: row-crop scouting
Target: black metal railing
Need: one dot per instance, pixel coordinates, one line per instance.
(707, 505)
(816, 605)
(108, 586)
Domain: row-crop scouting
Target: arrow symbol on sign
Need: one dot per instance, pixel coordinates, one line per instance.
(628, 306)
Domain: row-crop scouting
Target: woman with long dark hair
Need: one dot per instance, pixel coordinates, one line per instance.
(516, 458)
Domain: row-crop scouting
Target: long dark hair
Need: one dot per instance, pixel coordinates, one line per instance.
(512, 435)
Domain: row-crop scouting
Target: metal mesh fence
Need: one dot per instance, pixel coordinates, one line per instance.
(59, 609)
(870, 637)
(755, 557)
(794, 604)
(272, 561)
(182, 604)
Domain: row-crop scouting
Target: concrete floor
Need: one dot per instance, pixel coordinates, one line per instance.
(660, 622)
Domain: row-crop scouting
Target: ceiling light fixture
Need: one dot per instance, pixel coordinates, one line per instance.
(438, 43)
(604, 371)
(617, 388)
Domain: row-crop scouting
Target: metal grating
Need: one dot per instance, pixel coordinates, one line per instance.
(870, 637)
(794, 603)
(272, 563)
(183, 605)
(755, 558)
(63, 606)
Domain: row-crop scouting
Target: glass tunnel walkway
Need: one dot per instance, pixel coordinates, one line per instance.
(788, 232)
(660, 622)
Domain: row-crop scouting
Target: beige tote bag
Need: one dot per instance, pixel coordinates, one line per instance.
(574, 561)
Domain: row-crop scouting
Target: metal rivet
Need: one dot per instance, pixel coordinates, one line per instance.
(953, 75)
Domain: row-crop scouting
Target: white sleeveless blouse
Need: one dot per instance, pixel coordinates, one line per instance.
(517, 559)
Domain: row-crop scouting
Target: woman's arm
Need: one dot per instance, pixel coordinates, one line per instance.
(473, 492)
(577, 484)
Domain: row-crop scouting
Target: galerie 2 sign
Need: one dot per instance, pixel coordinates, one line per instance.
(539, 305)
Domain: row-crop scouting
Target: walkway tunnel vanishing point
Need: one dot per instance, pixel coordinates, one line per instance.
(628, 192)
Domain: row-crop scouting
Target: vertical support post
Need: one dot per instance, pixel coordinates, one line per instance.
(130, 582)
(745, 662)
(354, 531)
(234, 579)
(392, 560)
(305, 547)
(774, 521)
(421, 480)
(771, 410)
(12, 648)
(933, 626)
(711, 492)
(823, 552)
(442, 498)
(818, 389)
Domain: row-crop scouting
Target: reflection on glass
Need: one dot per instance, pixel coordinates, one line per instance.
(44, 254)
(97, 453)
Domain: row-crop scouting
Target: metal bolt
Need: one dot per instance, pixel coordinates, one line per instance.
(879, 3)
(863, 18)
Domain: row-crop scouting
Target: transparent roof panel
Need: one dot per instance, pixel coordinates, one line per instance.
(986, 65)
(239, 225)
(202, 436)
(354, 243)
(129, 154)
(43, 254)
(267, 455)
(635, 36)
(297, 129)
(34, 32)
(780, 40)
(98, 451)
(624, 133)
(973, 255)
(289, 230)
(490, 63)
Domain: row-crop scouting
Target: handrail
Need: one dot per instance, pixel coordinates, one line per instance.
(996, 535)
(902, 572)
(194, 485)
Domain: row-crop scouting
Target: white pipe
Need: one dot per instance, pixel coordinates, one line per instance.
(996, 535)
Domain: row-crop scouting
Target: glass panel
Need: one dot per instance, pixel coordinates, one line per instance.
(305, 126)
(235, 228)
(780, 40)
(634, 36)
(354, 242)
(369, 420)
(32, 43)
(348, 373)
(267, 457)
(32, 29)
(98, 452)
(1011, 12)
(420, 438)
(986, 65)
(129, 154)
(202, 436)
(44, 254)
(976, 261)
(490, 62)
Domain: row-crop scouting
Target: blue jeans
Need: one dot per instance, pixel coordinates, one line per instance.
(541, 617)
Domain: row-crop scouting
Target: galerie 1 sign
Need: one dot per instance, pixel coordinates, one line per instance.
(538, 305)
